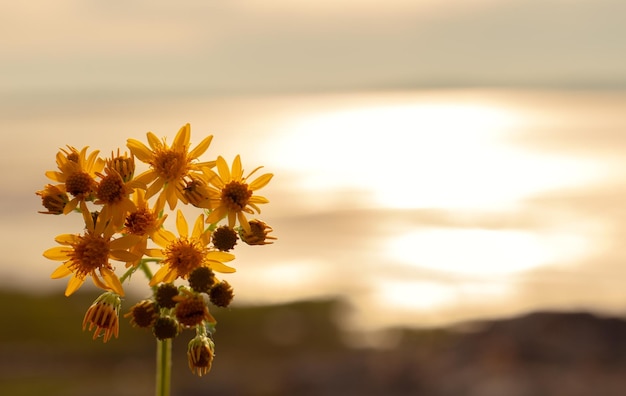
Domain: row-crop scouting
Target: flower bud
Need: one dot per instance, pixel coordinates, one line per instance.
(53, 199)
(165, 327)
(165, 295)
(257, 234)
(200, 354)
(221, 294)
(103, 314)
(201, 279)
(191, 309)
(143, 314)
(123, 164)
(224, 238)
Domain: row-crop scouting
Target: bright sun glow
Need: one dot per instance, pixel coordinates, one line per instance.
(426, 155)
(281, 281)
(484, 252)
(430, 295)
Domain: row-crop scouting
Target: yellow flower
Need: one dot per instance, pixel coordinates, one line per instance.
(181, 255)
(103, 314)
(113, 193)
(169, 165)
(77, 172)
(142, 222)
(89, 254)
(234, 196)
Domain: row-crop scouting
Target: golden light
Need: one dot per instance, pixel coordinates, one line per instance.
(440, 155)
(485, 252)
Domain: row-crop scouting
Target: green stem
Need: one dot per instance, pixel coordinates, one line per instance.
(143, 264)
(164, 367)
(164, 347)
(146, 270)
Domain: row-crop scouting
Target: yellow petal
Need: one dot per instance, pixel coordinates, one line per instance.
(89, 224)
(154, 187)
(66, 239)
(56, 176)
(74, 284)
(205, 164)
(170, 196)
(232, 218)
(99, 282)
(237, 171)
(163, 237)
(206, 238)
(216, 215)
(243, 221)
(213, 178)
(218, 266)
(139, 196)
(222, 168)
(59, 253)
(162, 275)
(182, 137)
(261, 181)
(181, 225)
(220, 256)
(154, 253)
(112, 281)
(253, 172)
(254, 207)
(154, 141)
(139, 150)
(257, 199)
(94, 163)
(198, 227)
(201, 148)
(61, 272)
(70, 206)
(125, 242)
(123, 255)
(146, 177)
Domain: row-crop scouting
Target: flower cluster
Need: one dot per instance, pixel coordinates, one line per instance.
(124, 217)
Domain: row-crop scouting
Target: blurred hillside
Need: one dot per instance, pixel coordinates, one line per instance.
(298, 349)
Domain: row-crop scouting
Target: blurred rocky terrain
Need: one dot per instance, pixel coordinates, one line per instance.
(298, 349)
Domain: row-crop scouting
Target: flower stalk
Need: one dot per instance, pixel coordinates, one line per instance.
(164, 367)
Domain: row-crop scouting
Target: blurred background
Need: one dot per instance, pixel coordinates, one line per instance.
(448, 183)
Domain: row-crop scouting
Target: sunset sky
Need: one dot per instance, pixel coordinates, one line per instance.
(434, 161)
(219, 47)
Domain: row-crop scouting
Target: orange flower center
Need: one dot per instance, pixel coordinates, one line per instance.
(140, 222)
(79, 184)
(185, 255)
(169, 164)
(91, 252)
(235, 196)
(112, 189)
